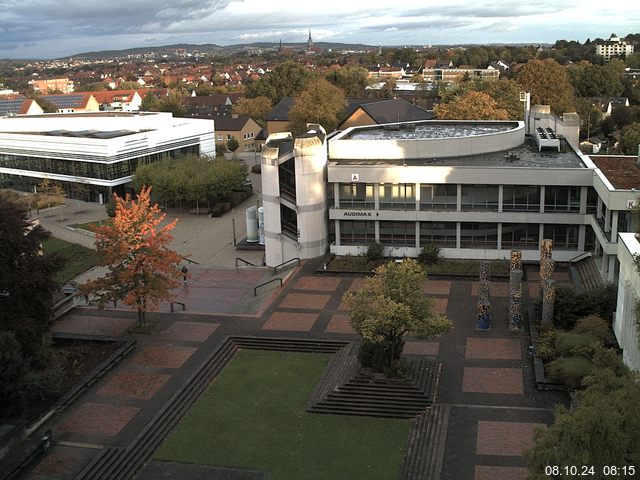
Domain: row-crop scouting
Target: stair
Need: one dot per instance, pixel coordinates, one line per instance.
(425, 450)
(586, 275)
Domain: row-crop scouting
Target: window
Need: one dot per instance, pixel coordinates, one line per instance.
(438, 197)
(289, 222)
(401, 234)
(520, 235)
(562, 199)
(354, 232)
(356, 195)
(478, 235)
(592, 200)
(287, 176)
(520, 198)
(229, 137)
(565, 237)
(440, 234)
(220, 137)
(401, 195)
(480, 197)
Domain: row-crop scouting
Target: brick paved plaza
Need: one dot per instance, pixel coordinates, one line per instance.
(486, 377)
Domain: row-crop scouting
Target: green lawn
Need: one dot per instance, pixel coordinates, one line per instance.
(76, 258)
(253, 416)
(89, 226)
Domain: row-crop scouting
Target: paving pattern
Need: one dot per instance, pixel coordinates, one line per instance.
(486, 383)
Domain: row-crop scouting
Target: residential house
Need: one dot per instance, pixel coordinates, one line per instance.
(608, 104)
(118, 100)
(278, 117)
(19, 106)
(74, 102)
(376, 111)
(591, 145)
(45, 86)
(210, 105)
(241, 127)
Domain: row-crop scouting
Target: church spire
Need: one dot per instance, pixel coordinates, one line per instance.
(309, 41)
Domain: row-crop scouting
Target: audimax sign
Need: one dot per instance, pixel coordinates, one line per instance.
(359, 213)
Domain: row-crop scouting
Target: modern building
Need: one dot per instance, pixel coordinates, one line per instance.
(117, 100)
(614, 47)
(625, 323)
(96, 151)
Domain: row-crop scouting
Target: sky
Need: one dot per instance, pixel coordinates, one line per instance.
(56, 28)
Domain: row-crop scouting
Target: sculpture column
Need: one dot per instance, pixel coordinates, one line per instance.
(548, 302)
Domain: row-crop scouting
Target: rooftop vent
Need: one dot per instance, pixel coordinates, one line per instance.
(547, 138)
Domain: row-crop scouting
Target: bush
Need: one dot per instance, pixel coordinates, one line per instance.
(570, 371)
(546, 348)
(110, 207)
(375, 252)
(568, 343)
(570, 306)
(595, 326)
(219, 209)
(376, 356)
(429, 255)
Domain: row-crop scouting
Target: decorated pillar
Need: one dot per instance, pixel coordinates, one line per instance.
(548, 302)
(546, 248)
(515, 312)
(547, 267)
(516, 260)
(483, 320)
(485, 271)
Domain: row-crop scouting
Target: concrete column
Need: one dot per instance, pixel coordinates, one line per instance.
(611, 274)
(604, 263)
(417, 234)
(417, 187)
(542, 193)
(459, 199)
(499, 245)
(541, 232)
(377, 228)
(607, 220)
(337, 224)
(614, 225)
(583, 200)
(458, 230)
(582, 234)
(336, 195)
(376, 196)
(599, 207)
(500, 200)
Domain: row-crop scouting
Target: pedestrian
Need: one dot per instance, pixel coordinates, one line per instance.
(184, 271)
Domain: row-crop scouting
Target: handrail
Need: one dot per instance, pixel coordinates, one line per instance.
(255, 289)
(191, 261)
(297, 260)
(244, 261)
(583, 254)
(184, 307)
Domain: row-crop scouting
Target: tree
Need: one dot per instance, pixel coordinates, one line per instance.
(388, 90)
(257, 108)
(390, 305)
(548, 83)
(150, 103)
(604, 428)
(352, 80)
(286, 80)
(471, 106)
(142, 270)
(321, 102)
(232, 144)
(630, 139)
(53, 192)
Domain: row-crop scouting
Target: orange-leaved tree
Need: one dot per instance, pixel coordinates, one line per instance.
(142, 270)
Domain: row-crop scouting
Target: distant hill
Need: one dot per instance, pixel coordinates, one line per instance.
(211, 48)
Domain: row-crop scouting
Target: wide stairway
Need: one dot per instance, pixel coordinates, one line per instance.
(586, 275)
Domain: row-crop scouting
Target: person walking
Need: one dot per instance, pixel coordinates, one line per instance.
(184, 271)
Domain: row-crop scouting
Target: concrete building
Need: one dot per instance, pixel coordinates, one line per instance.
(625, 325)
(46, 86)
(614, 47)
(98, 151)
(241, 127)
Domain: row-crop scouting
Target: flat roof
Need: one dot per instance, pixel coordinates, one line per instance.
(622, 171)
(432, 129)
(523, 156)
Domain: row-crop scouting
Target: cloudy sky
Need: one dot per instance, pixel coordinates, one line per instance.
(55, 28)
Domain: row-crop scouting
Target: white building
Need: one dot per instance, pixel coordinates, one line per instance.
(614, 47)
(99, 150)
(625, 325)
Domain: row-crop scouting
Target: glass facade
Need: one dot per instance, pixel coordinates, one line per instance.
(357, 195)
(565, 237)
(353, 232)
(287, 179)
(289, 222)
(520, 235)
(562, 199)
(478, 235)
(401, 234)
(440, 234)
(520, 198)
(82, 168)
(480, 197)
(438, 197)
(397, 195)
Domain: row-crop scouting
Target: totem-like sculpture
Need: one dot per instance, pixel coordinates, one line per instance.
(546, 248)
(548, 302)
(515, 298)
(483, 317)
(516, 260)
(547, 267)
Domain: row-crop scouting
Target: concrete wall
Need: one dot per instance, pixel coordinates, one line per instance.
(624, 325)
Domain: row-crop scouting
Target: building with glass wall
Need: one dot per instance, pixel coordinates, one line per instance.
(474, 189)
(96, 151)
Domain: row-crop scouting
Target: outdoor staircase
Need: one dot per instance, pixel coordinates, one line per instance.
(586, 275)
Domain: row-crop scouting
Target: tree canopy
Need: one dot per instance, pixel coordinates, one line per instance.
(142, 270)
(286, 80)
(352, 80)
(630, 139)
(320, 102)
(257, 108)
(471, 106)
(549, 84)
(391, 304)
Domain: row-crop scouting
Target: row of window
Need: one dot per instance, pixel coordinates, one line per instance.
(515, 198)
(472, 234)
(79, 168)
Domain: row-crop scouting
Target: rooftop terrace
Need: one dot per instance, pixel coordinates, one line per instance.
(417, 130)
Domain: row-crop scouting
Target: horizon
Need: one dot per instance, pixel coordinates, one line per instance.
(47, 29)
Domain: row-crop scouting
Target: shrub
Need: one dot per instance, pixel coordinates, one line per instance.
(375, 355)
(570, 371)
(570, 306)
(375, 252)
(568, 343)
(595, 326)
(429, 255)
(110, 207)
(546, 348)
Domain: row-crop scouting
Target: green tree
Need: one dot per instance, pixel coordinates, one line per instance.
(549, 84)
(321, 102)
(47, 105)
(630, 139)
(388, 90)
(604, 428)
(286, 80)
(390, 305)
(150, 103)
(471, 106)
(232, 144)
(353, 80)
